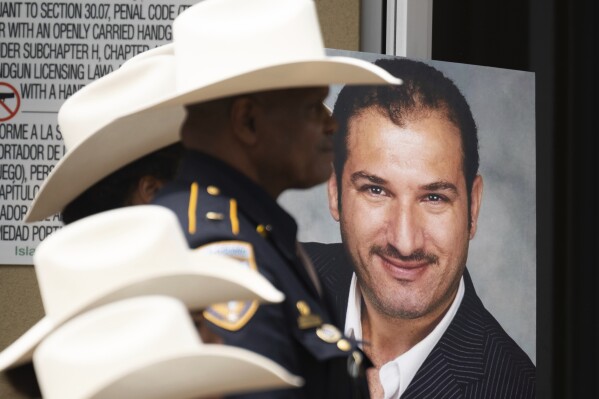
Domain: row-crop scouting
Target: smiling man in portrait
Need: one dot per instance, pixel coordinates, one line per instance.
(407, 194)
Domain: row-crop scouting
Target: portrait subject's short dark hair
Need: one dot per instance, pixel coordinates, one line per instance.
(424, 89)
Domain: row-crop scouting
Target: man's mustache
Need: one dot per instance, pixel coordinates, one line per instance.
(391, 252)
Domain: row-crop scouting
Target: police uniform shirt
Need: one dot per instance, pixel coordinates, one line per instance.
(222, 211)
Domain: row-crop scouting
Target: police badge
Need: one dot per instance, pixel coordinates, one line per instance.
(232, 315)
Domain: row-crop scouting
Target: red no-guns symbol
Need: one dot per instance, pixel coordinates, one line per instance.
(10, 101)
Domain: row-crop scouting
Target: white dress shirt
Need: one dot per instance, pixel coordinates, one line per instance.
(395, 376)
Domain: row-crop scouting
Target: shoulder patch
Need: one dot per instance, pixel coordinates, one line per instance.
(232, 315)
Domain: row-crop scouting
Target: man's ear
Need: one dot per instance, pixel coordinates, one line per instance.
(476, 197)
(242, 116)
(146, 189)
(333, 194)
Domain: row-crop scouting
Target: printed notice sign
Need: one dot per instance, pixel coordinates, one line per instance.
(48, 51)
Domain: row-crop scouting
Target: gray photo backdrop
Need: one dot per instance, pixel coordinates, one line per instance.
(502, 256)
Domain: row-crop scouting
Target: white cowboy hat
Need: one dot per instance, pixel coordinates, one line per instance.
(220, 48)
(229, 47)
(146, 347)
(123, 253)
(96, 147)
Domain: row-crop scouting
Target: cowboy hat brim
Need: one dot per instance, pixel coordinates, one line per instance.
(157, 124)
(301, 73)
(211, 370)
(198, 286)
(103, 153)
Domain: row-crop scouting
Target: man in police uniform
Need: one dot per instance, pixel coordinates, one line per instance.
(256, 126)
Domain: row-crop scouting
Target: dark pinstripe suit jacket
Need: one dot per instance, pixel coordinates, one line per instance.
(475, 358)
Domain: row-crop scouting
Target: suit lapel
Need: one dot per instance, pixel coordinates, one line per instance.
(458, 357)
(335, 273)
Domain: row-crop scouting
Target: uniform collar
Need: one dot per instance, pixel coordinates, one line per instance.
(253, 201)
